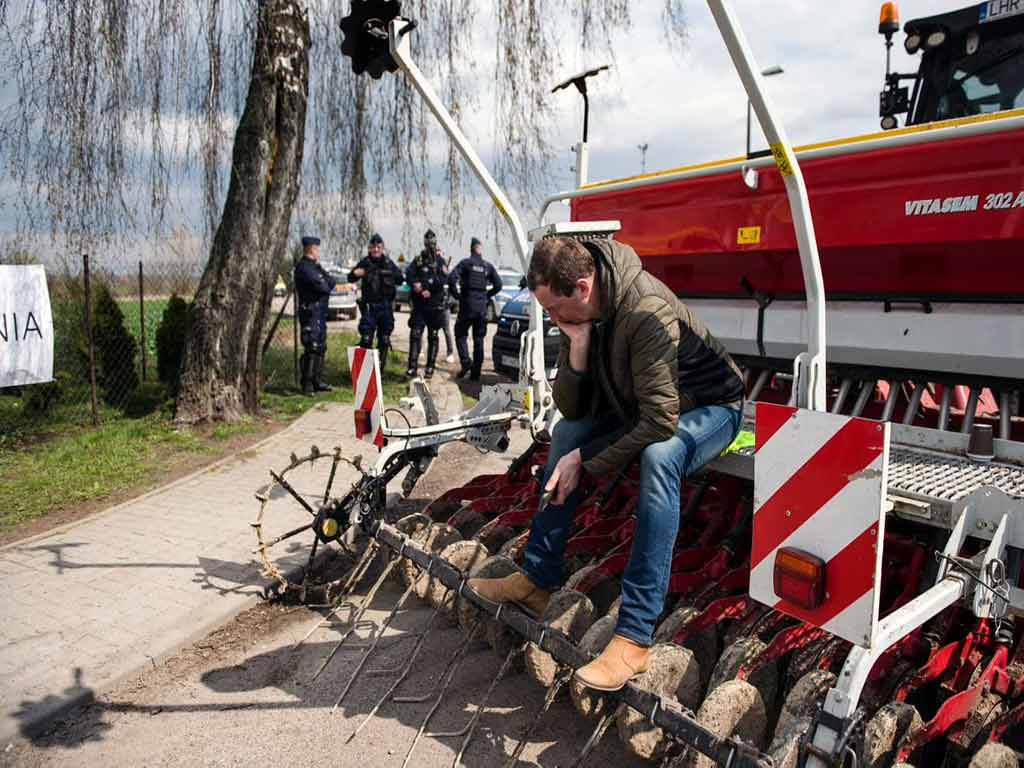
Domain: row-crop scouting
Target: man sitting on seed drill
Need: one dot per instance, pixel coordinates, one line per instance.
(639, 377)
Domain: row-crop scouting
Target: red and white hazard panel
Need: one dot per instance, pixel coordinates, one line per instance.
(819, 524)
(369, 407)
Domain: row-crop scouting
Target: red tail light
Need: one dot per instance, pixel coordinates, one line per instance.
(362, 423)
(799, 578)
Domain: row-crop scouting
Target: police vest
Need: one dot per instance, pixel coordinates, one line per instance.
(474, 278)
(379, 281)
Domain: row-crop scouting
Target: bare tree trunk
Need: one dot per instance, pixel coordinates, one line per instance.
(221, 371)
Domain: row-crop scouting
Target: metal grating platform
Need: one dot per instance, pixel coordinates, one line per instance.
(949, 478)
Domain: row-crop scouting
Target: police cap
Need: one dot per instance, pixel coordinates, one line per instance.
(309, 240)
(376, 239)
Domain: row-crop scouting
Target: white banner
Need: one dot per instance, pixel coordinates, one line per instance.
(26, 326)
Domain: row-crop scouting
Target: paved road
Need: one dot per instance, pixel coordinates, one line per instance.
(251, 695)
(90, 603)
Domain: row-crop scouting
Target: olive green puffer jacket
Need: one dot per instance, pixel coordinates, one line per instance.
(650, 360)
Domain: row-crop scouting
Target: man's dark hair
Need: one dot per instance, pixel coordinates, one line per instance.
(558, 262)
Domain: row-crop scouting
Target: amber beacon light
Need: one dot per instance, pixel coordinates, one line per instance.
(889, 19)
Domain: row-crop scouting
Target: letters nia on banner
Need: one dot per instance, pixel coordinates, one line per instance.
(26, 326)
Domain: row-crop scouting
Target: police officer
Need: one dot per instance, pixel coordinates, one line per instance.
(468, 284)
(379, 276)
(313, 287)
(427, 277)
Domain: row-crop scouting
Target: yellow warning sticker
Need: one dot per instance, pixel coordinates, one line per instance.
(782, 160)
(748, 236)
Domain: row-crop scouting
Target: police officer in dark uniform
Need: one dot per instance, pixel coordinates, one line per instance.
(313, 287)
(379, 276)
(468, 283)
(427, 277)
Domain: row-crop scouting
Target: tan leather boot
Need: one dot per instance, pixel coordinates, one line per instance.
(620, 661)
(515, 588)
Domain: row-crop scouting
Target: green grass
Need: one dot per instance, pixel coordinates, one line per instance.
(154, 314)
(53, 461)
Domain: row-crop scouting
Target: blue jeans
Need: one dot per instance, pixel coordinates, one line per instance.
(702, 435)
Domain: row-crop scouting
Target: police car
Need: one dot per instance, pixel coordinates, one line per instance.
(511, 284)
(512, 324)
(342, 302)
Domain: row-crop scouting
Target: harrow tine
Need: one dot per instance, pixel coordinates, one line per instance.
(401, 678)
(482, 706)
(357, 616)
(308, 568)
(294, 494)
(453, 667)
(599, 731)
(357, 573)
(380, 634)
(556, 686)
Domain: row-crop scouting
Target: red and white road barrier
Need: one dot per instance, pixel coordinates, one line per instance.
(369, 398)
(819, 487)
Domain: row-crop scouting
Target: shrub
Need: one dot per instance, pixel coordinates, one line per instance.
(170, 342)
(115, 349)
(38, 398)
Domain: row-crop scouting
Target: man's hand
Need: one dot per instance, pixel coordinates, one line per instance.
(579, 343)
(425, 293)
(566, 476)
(358, 271)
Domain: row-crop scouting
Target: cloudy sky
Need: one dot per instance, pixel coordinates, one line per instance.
(689, 106)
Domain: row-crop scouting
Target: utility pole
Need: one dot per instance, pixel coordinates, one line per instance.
(767, 72)
(643, 156)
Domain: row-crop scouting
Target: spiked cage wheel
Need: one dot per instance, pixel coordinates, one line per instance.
(326, 522)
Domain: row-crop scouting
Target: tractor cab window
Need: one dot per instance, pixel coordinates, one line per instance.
(991, 80)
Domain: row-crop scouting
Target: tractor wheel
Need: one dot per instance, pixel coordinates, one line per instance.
(496, 538)
(704, 644)
(463, 555)
(674, 673)
(994, 755)
(468, 521)
(433, 539)
(885, 731)
(513, 548)
(491, 568)
(411, 526)
(572, 614)
(577, 576)
(740, 654)
(604, 594)
(587, 701)
(734, 708)
(796, 715)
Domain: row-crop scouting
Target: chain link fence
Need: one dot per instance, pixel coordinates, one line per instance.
(119, 329)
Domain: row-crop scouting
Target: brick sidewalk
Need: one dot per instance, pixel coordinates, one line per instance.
(93, 602)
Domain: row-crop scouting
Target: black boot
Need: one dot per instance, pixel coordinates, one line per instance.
(366, 340)
(414, 357)
(432, 345)
(318, 371)
(383, 347)
(465, 366)
(306, 363)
